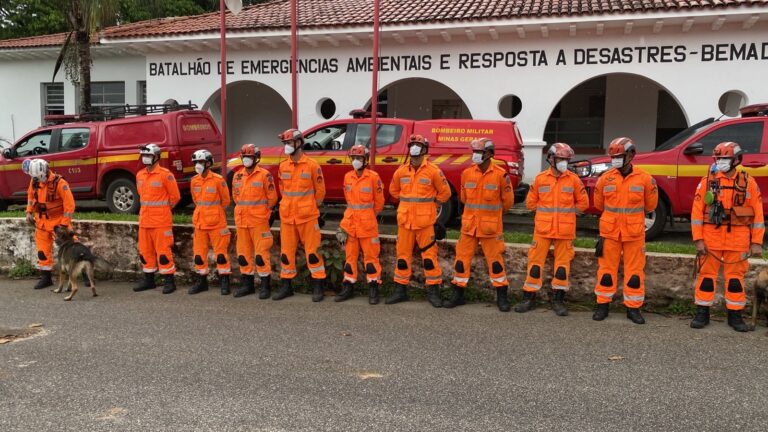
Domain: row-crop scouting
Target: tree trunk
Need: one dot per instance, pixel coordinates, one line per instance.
(83, 44)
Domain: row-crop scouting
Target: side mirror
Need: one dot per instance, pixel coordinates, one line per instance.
(8, 153)
(694, 149)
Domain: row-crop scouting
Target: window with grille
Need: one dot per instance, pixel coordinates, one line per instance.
(53, 98)
(141, 92)
(107, 94)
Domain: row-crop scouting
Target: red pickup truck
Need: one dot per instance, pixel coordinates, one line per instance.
(328, 144)
(679, 164)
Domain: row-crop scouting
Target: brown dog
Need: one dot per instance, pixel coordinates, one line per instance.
(760, 296)
(75, 258)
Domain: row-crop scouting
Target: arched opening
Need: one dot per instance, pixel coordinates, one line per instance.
(602, 108)
(256, 113)
(420, 99)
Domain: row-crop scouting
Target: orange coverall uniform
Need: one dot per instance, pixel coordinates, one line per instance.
(486, 196)
(302, 189)
(52, 204)
(419, 190)
(211, 197)
(159, 193)
(728, 244)
(254, 196)
(365, 199)
(624, 202)
(555, 199)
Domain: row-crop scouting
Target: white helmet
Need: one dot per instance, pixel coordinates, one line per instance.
(202, 156)
(152, 150)
(38, 169)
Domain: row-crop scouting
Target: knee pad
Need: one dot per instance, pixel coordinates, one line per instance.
(606, 280)
(41, 255)
(561, 273)
(221, 259)
(634, 282)
(370, 268)
(428, 264)
(284, 259)
(313, 259)
(535, 272)
(260, 261)
(348, 268)
(459, 267)
(402, 265)
(496, 267)
(242, 261)
(734, 286)
(141, 258)
(164, 260)
(707, 285)
(198, 260)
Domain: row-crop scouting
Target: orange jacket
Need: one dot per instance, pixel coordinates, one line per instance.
(254, 196)
(50, 207)
(556, 199)
(742, 230)
(624, 203)
(419, 191)
(211, 197)
(302, 189)
(159, 193)
(365, 199)
(486, 196)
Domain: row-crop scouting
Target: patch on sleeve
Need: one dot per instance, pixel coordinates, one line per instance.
(170, 177)
(65, 187)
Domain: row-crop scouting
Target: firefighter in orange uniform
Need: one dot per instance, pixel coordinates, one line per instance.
(486, 192)
(49, 203)
(303, 190)
(254, 193)
(727, 226)
(359, 229)
(421, 189)
(211, 197)
(624, 194)
(158, 193)
(556, 195)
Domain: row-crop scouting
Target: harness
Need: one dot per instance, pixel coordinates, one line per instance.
(738, 213)
(53, 206)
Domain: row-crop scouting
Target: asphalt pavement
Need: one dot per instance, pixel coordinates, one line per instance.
(147, 361)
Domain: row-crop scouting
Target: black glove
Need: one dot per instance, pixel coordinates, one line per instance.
(439, 231)
(274, 215)
(599, 247)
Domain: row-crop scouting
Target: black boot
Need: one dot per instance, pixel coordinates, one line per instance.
(318, 285)
(433, 296)
(45, 280)
(400, 294)
(246, 286)
(601, 312)
(501, 299)
(170, 284)
(346, 293)
(266, 287)
(528, 303)
(701, 319)
(147, 284)
(634, 315)
(457, 297)
(201, 284)
(373, 293)
(286, 290)
(224, 283)
(558, 303)
(736, 321)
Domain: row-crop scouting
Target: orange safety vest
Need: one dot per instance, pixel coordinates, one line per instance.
(556, 199)
(365, 199)
(211, 197)
(486, 196)
(51, 202)
(624, 202)
(158, 194)
(254, 195)
(302, 189)
(419, 191)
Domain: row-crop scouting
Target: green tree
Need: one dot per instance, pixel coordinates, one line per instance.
(23, 18)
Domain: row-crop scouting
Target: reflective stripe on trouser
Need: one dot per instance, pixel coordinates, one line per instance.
(633, 253)
(371, 248)
(406, 240)
(155, 248)
(710, 267)
(218, 239)
(308, 233)
(252, 242)
(44, 244)
(493, 248)
(537, 256)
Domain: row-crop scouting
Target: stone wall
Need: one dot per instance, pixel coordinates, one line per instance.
(668, 276)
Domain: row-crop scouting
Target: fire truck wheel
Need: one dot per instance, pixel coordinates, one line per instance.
(3, 205)
(122, 197)
(656, 221)
(184, 201)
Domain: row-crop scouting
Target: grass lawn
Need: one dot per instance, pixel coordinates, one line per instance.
(177, 218)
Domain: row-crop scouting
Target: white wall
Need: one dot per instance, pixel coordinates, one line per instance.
(629, 99)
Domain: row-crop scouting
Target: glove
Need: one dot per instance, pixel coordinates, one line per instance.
(439, 231)
(272, 216)
(31, 219)
(756, 250)
(341, 236)
(701, 248)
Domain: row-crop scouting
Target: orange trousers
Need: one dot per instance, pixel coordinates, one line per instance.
(217, 238)
(537, 257)
(308, 233)
(493, 248)
(371, 248)
(634, 271)
(155, 247)
(735, 265)
(255, 242)
(406, 240)
(44, 243)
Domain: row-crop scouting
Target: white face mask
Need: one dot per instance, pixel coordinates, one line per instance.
(617, 162)
(415, 150)
(357, 164)
(289, 149)
(248, 162)
(561, 166)
(147, 160)
(724, 164)
(199, 168)
(477, 158)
